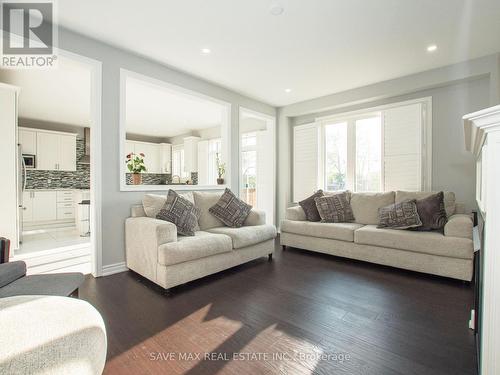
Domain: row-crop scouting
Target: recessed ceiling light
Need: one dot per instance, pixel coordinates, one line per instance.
(206, 51)
(276, 8)
(288, 91)
(432, 48)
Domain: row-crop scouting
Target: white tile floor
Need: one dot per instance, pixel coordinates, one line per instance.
(48, 239)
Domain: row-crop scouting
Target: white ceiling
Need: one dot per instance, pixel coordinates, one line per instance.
(60, 95)
(315, 47)
(159, 112)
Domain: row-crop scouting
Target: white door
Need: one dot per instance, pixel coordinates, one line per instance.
(44, 205)
(27, 139)
(27, 207)
(67, 153)
(47, 151)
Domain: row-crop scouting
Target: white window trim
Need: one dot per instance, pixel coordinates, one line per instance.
(351, 116)
(225, 132)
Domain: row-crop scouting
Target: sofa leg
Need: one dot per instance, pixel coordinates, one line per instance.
(283, 247)
(269, 257)
(167, 292)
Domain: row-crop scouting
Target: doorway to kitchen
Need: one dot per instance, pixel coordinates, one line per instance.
(257, 161)
(58, 112)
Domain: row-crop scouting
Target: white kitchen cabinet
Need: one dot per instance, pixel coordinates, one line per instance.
(48, 151)
(47, 205)
(67, 153)
(166, 157)
(44, 206)
(27, 206)
(56, 151)
(191, 154)
(203, 163)
(27, 140)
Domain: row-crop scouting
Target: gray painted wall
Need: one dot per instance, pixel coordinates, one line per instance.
(453, 168)
(116, 204)
(457, 89)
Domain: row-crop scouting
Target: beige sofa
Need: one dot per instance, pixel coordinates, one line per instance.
(157, 252)
(449, 254)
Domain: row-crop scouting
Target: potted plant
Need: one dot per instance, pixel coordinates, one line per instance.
(135, 165)
(221, 170)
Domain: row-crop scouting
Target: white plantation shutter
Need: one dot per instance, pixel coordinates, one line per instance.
(403, 148)
(306, 160)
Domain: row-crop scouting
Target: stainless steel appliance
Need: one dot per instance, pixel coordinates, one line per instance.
(21, 186)
(29, 161)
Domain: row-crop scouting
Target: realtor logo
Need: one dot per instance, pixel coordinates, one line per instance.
(28, 34)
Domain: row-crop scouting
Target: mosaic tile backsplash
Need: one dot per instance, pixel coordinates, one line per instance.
(159, 178)
(80, 179)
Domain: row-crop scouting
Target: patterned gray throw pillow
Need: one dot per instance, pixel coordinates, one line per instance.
(402, 215)
(181, 212)
(231, 210)
(335, 208)
(309, 206)
(432, 212)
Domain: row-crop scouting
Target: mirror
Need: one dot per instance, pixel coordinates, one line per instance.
(171, 137)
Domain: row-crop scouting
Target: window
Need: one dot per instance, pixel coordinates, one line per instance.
(352, 154)
(380, 149)
(369, 154)
(249, 167)
(336, 156)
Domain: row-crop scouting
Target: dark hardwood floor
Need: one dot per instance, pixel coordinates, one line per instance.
(302, 313)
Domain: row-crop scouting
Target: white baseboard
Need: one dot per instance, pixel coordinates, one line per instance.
(111, 269)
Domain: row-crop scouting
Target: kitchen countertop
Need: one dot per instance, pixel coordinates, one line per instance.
(57, 189)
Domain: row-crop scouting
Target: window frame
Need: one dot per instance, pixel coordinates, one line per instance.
(351, 117)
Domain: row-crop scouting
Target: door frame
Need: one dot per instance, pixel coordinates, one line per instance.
(270, 120)
(95, 156)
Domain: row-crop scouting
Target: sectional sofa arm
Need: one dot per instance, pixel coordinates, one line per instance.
(459, 225)
(256, 217)
(148, 230)
(10, 272)
(295, 213)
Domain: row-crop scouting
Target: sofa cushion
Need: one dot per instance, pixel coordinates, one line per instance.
(201, 245)
(153, 203)
(433, 243)
(295, 213)
(365, 206)
(431, 212)
(231, 210)
(247, 236)
(335, 231)
(180, 212)
(204, 201)
(448, 198)
(310, 208)
(334, 208)
(401, 215)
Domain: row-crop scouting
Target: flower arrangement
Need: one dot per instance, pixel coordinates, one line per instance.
(221, 169)
(135, 165)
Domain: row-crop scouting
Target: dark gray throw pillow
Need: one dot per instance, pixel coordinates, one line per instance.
(183, 213)
(335, 208)
(432, 212)
(231, 210)
(402, 215)
(309, 206)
